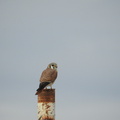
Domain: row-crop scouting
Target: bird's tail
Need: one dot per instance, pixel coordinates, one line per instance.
(41, 87)
(38, 91)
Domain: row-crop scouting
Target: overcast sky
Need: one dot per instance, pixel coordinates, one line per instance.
(81, 36)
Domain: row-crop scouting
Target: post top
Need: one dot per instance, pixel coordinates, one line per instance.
(47, 95)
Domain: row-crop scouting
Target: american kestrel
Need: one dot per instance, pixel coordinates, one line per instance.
(48, 77)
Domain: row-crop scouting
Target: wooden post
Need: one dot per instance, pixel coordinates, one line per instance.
(46, 104)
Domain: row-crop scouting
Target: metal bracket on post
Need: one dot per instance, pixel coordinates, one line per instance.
(46, 104)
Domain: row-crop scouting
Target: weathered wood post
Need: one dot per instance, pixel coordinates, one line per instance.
(46, 104)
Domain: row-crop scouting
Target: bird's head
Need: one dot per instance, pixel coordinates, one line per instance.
(52, 66)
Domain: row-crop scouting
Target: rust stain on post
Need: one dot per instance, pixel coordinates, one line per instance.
(47, 95)
(46, 104)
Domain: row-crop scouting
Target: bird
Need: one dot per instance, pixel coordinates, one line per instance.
(48, 77)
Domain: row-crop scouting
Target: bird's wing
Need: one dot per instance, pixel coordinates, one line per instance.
(48, 75)
(42, 85)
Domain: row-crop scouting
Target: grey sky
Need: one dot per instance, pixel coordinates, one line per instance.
(82, 36)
